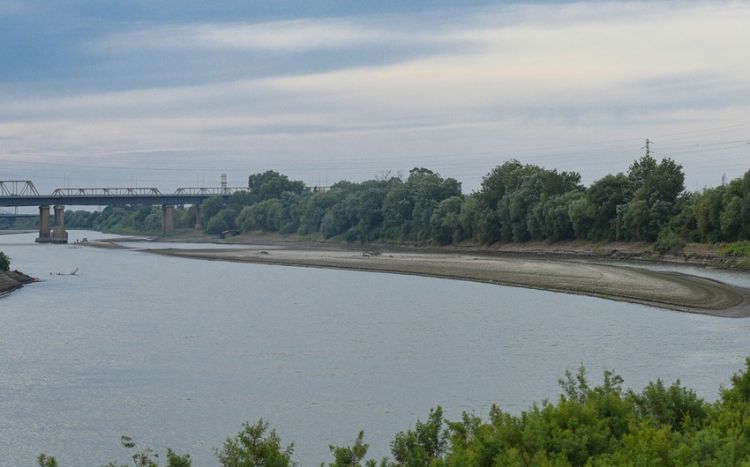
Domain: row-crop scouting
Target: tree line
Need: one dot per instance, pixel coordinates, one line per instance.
(602, 425)
(515, 203)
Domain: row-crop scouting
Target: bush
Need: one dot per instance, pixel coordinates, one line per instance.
(669, 243)
(4, 262)
(591, 425)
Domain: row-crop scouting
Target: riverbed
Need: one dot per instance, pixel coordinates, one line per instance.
(179, 352)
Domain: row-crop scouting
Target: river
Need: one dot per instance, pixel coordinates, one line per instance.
(179, 353)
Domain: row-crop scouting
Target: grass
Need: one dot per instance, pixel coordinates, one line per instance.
(735, 249)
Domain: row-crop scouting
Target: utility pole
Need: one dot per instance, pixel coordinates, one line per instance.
(724, 179)
(647, 147)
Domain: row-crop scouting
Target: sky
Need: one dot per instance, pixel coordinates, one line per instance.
(175, 93)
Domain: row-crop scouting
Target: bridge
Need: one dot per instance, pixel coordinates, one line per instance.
(17, 193)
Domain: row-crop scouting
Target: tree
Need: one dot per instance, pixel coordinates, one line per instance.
(271, 184)
(255, 446)
(46, 461)
(445, 223)
(657, 187)
(210, 207)
(147, 457)
(604, 196)
(353, 456)
(423, 445)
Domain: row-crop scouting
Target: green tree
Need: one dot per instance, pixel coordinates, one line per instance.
(255, 446)
(271, 184)
(604, 196)
(657, 187)
(46, 461)
(445, 223)
(423, 445)
(353, 456)
(210, 207)
(147, 457)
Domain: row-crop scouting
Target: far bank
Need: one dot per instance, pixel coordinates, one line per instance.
(719, 256)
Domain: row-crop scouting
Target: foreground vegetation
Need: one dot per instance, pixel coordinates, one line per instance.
(603, 425)
(516, 203)
(4, 262)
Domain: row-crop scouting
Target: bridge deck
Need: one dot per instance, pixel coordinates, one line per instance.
(104, 200)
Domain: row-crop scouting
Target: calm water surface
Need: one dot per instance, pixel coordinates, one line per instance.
(179, 352)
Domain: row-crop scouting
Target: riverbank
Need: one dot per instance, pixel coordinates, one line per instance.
(15, 232)
(693, 254)
(669, 290)
(12, 280)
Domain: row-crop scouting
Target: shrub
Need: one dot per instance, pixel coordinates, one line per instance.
(736, 249)
(4, 262)
(669, 243)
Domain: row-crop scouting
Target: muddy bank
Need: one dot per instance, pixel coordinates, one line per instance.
(670, 290)
(693, 254)
(13, 280)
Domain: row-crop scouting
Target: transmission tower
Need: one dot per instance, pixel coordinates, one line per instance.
(647, 147)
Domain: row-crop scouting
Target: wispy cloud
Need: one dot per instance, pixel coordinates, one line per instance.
(499, 81)
(286, 36)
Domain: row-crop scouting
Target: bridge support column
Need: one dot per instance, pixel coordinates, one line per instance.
(44, 236)
(167, 218)
(59, 234)
(198, 215)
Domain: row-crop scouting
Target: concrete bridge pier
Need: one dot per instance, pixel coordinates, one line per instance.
(59, 234)
(167, 218)
(44, 232)
(198, 215)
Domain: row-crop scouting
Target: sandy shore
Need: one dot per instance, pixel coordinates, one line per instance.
(670, 290)
(12, 280)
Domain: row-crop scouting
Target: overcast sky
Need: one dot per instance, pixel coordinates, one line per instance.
(174, 93)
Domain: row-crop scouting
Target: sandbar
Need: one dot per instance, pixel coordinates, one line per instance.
(662, 289)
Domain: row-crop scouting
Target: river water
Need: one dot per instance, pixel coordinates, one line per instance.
(179, 353)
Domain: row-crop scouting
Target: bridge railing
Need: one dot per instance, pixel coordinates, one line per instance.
(17, 188)
(209, 190)
(24, 188)
(105, 192)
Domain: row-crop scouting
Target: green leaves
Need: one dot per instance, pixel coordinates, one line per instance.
(589, 425)
(4, 262)
(255, 446)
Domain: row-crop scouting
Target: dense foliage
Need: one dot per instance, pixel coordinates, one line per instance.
(603, 425)
(515, 203)
(4, 262)
(19, 223)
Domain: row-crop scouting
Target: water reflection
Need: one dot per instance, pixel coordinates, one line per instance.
(179, 352)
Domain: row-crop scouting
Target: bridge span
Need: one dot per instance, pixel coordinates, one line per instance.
(19, 193)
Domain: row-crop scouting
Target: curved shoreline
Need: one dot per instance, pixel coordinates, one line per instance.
(13, 280)
(668, 290)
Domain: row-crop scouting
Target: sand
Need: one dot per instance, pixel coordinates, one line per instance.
(669, 290)
(13, 280)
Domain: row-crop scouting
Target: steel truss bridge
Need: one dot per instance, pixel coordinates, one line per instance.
(17, 193)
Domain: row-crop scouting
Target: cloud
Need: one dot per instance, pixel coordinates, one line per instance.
(297, 36)
(524, 81)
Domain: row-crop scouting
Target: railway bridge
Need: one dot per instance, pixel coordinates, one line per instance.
(19, 193)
